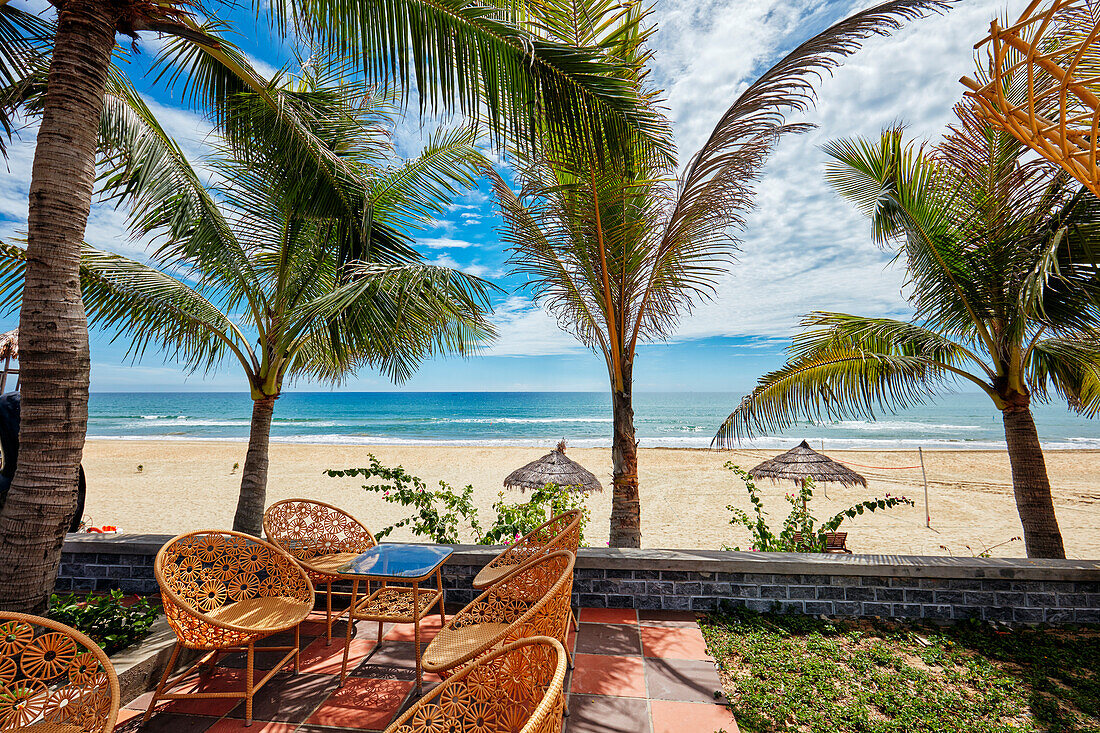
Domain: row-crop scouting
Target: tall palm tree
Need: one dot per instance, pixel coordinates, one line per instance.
(617, 246)
(252, 270)
(472, 57)
(1000, 250)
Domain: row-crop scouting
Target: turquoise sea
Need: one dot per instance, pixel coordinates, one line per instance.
(674, 419)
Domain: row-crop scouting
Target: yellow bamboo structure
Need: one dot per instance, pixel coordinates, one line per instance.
(1043, 84)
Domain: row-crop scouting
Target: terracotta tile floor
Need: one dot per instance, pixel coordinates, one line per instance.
(636, 672)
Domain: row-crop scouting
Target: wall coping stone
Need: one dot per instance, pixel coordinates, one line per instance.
(714, 561)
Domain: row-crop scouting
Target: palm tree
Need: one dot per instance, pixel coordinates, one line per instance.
(617, 246)
(1000, 252)
(267, 245)
(475, 58)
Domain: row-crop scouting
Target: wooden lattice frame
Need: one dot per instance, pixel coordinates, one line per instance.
(312, 530)
(51, 673)
(533, 600)
(562, 532)
(1042, 86)
(516, 689)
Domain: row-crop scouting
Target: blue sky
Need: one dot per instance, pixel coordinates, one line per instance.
(802, 249)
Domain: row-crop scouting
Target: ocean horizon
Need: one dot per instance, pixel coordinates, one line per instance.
(959, 421)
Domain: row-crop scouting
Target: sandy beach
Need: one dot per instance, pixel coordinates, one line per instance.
(187, 485)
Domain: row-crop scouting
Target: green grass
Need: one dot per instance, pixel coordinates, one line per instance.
(798, 673)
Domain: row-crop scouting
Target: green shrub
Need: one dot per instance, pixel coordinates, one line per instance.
(108, 620)
(443, 515)
(799, 519)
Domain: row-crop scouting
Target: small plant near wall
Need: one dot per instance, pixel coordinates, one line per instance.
(446, 516)
(800, 531)
(113, 621)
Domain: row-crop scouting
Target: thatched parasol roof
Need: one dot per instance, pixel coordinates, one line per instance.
(803, 462)
(9, 344)
(553, 468)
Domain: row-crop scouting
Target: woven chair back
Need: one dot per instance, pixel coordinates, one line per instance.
(308, 529)
(562, 532)
(202, 571)
(51, 673)
(516, 689)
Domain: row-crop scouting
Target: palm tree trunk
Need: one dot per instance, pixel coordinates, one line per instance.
(250, 503)
(1031, 485)
(53, 330)
(626, 518)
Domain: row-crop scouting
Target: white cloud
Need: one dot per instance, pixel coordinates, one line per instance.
(444, 243)
(524, 329)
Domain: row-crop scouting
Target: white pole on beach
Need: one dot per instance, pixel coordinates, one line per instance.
(927, 516)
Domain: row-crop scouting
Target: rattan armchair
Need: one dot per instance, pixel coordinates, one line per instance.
(225, 591)
(562, 532)
(321, 538)
(531, 601)
(516, 689)
(53, 679)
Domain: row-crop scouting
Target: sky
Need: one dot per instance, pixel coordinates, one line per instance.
(802, 249)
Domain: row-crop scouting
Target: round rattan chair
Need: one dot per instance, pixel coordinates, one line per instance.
(516, 689)
(53, 679)
(321, 538)
(562, 532)
(531, 601)
(226, 590)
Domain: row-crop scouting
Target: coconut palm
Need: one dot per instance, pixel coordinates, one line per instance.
(471, 57)
(999, 248)
(251, 270)
(618, 247)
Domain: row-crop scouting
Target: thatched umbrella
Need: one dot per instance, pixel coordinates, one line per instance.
(553, 468)
(802, 463)
(9, 349)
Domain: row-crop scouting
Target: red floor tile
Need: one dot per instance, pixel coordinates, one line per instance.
(319, 658)
(221, 680)
(609, 615)
(673, 643)
(676, 717)
(599, 674)
(363, 703)
(429, 627)
(124, 714)
(227, 725)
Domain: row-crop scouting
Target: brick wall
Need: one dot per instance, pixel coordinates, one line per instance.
(888, 586)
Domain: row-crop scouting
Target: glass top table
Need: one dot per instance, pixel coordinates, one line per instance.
(401, 569)
(397, 561)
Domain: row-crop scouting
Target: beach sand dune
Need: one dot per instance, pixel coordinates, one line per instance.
(187, 485)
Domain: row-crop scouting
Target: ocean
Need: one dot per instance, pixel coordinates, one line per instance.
(677, 420)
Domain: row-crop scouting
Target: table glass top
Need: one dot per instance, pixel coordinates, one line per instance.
(397, 561)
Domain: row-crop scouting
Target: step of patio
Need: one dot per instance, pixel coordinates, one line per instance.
(637, 671)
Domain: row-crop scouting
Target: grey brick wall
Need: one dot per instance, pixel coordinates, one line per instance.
(948, 589)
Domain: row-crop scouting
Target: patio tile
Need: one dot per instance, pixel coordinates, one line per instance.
(391, 660)
(319, 658)
(429, 627)
(363, 703)
(676, 717)
(229, 725)
(685, 680)
(328, 729)
(673, 643)
(289, 698)
(669, 619)
(221, 680)
(609, 616)
(601, 714)
(168, 723)
(620, 639)
(598, 674)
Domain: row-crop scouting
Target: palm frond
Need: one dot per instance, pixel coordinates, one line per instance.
(1072, 368)
(25, 48)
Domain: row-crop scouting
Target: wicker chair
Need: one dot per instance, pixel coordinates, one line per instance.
(53, 679)
(321, 538)
(531, 601)
(226, 590)
(562, 532)
(516, 689)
